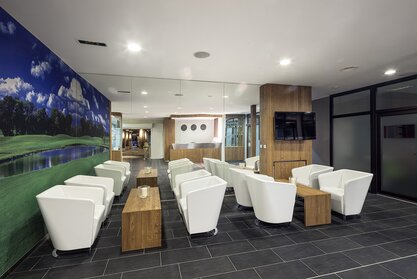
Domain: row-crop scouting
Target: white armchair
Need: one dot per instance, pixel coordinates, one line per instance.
(104, 183)
(126, 165)
(238, 177)
(206, 162)
(73, 215)
(114, 172)
(179, 170)
(181, 178)
(177, 163)
(273, 202)
(223, 171)
(348, 189)
(250, 162)
(201, 203)
(308, 175)
(212, 163)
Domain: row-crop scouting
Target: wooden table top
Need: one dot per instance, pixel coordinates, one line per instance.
(305, 191)
(134, 203)
(143, 174)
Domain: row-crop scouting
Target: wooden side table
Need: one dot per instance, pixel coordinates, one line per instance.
(141, 221)
(150, 179)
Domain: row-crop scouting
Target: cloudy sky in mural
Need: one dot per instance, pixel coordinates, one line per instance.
(37, 75)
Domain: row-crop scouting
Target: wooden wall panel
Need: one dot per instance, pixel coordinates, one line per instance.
(234, 153)
(169, 136)
(276, 97)
(252, 131)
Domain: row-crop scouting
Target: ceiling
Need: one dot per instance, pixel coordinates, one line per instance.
(246, 39)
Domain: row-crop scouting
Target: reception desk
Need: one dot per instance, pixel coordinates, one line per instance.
(195, 151)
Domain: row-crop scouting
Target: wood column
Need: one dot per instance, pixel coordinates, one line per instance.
(252, 131)
(276, 97)
(169, 136)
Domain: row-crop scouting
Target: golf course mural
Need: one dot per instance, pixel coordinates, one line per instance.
(53, 125)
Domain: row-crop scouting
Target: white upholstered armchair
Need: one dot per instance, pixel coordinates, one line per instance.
(238, 177)
(201, 202)
(181, 178)
(179, 169)
(273, 202)
(223, 171)
(348, 189)
(308, 175)
(250, 162)
(114, 172)
(126, 165)
(73, 215)
(104, 183)
(177, 163)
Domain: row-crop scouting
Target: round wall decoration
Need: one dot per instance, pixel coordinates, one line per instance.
(183, 127)
(203, 127)
(193, 127)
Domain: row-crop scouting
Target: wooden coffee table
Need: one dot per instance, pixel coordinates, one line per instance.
(150, 179)
(141, 221)
(317, 208)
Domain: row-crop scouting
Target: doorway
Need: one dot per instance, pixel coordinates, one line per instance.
(398, 154)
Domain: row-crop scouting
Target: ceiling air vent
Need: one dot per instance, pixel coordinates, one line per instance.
(91, 43)
(123, 91)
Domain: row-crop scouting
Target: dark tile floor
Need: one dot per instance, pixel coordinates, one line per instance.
(381, 244)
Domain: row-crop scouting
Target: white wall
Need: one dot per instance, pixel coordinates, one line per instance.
(157, 141)
(198, 135)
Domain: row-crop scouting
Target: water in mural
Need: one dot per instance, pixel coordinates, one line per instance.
(40, 95)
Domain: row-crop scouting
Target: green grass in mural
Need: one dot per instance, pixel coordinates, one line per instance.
(22, 223)
(19, 145)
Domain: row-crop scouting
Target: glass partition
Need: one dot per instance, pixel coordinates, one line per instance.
(352, 103)
(398, 95)
(352, 143)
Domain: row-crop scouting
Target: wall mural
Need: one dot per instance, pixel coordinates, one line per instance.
(53, 125)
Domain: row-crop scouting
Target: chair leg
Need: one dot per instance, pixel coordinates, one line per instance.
(257, 222)
(215, 231)
(55, 253)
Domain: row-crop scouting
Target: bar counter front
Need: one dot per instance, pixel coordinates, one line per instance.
(195, 151)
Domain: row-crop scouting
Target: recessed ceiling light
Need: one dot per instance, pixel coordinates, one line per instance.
(349, 68)
(144, 93)
(134, 47)
(146, 111)
(179, 107)
(225, 96)
(390, 72)
(285, 62)
(145, 106)
(201, 54)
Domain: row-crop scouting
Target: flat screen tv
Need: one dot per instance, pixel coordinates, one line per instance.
(295, 125)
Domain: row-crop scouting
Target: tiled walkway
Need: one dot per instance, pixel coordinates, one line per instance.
(382, 244)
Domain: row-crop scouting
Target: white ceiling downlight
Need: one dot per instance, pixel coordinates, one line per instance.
(145, 106)
(134, 47)
(201, 54)
(390, 72)
(285, 62)
(144, 93)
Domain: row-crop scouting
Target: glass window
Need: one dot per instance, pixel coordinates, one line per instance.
(403, 94)
(235, 130)
(352, 103)
(352, 143)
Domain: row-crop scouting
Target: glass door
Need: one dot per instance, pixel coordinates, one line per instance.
(398, 155)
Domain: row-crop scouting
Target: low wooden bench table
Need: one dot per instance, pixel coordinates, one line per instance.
(141, 221)
(317, 208)
(150, 179)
